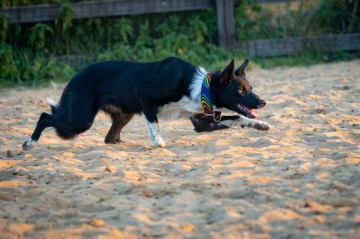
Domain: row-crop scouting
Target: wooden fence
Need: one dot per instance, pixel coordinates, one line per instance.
(291, 46)
(225, 23)
(47, 12)
(268, 47)
(106, 8)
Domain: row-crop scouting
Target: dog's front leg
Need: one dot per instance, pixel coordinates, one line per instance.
(154, 132)
(151, 121)
(257, 124)
(149, 112)
(246, 122)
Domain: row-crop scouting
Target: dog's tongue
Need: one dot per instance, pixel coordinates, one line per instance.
(252, 112)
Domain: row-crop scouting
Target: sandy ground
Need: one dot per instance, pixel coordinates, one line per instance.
(299, 180)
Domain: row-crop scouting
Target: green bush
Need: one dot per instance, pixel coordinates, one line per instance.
(311, 19)
(8, 66)
(27, 51)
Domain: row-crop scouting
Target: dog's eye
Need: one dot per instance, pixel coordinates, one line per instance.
(242, 90)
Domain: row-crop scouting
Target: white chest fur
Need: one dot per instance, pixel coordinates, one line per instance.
(187, 105)
(182, 109)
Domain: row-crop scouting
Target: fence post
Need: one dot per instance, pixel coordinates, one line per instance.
(225, 23)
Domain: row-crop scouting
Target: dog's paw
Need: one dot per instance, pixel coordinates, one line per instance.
(119, 141)
(29, 143)
(262, 126)
(113, 141)
(159, 141)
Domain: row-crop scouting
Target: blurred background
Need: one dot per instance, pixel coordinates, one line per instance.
(46, 41)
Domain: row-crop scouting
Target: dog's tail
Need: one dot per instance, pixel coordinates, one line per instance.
(53, 105)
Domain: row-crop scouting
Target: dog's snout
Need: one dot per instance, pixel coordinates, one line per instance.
(262, 103)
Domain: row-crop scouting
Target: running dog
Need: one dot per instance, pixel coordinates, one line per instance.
(171, 88)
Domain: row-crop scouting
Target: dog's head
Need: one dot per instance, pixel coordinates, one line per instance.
(231, 89)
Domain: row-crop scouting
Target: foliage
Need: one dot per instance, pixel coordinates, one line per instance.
(281, 20)
(7, 63)
(197, 28)
(27, 51)
(119, 51)
(123, 29)
(37, 35)
(4, 26)
(305, 58)
(64, 16)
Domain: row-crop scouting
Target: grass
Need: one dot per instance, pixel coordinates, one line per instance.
(35, 84)
(306, 58)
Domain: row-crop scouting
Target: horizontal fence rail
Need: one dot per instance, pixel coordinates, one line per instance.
(107, 8)
(47, 12)
(225, 21)
(276, 1)
(78, 61)
(268, 47)
(291, 46)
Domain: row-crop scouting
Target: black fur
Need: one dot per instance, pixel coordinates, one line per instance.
(122, 89)
(229, 88)
(119, 119)
(204, 123)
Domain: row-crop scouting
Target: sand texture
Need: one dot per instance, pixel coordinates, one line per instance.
(299, 180)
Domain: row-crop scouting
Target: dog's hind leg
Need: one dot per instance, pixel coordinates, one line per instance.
(45, 121)
(119, 121)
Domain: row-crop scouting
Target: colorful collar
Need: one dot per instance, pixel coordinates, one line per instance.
(206, 100)
(205, 95)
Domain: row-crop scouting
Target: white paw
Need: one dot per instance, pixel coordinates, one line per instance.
(159, 141)
(262, 126)
(29, 143)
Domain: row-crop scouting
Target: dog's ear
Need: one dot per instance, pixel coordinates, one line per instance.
(227, 75)
(241, 70)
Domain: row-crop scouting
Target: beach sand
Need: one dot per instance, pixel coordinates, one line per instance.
(301, 179)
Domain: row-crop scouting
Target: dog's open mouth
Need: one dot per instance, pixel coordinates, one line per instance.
(250, 113)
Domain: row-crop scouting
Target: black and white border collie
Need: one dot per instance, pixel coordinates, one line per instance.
(169, 89)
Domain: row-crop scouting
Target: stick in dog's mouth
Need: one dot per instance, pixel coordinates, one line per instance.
(250, 113)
